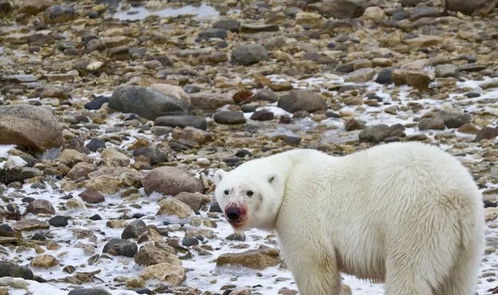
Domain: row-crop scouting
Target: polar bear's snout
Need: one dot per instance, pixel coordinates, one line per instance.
(235, 214)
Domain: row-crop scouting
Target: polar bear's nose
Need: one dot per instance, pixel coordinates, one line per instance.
(233, 213)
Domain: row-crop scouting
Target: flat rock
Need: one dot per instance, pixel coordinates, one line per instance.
(210, 100)
(488, 133)
(471, 7)
(89, 291)
(59, 13)
(194, 200)
(146, 102)
(44, 261)
(32, 7)
(40, 206)
(9, 269)
(151, 254)
(29, 126)
(134, 229)
(343, 8)
(255, 259)
(249, 54)
(256, 28)
(229, 117)
(378, 133)
(30, 224)
(361, 75)
(302, 100)
(173, 274)
(431, 124)
(454, 119)
(181, 121)
(228, 24)
(170, 181)
(172, 207)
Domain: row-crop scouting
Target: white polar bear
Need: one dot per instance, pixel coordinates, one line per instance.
(406, 214)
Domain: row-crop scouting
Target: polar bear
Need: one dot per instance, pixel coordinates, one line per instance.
(406, 214)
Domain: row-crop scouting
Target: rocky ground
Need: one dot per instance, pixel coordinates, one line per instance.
(114, 115)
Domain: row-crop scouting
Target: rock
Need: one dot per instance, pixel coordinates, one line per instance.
(171, 273)
(424, 41)
(411, 2)
(70, 157)
(489, 133)
(44, 261)
(97, 103)
(170, 181)
(210, 101)
(81, 170)
(146, 102)
(181, 121)
(7, 230)
(9, 269)
(255, 259)
(113, 157)
(343, 8)
(424, 11)
(172, 91)
(262, 115)
(228, 24)
(454, 119)
(229, 117)
(172, 207)
(354, 124)
(8, 176)
(120, 247)
(249, 54)
(431, 123)
(255, 28)
(242, 291)
(28, 224)
(134, 230)
(29, 126)
(385, 77)
(378, 133)
(89, 291)
(157, 153)
(471, 7)
(446, 70)
(40, 206)
(213, 33)
(194, 200)
(236, 236)
(192, 134)
(374, 13)
(58, 221)
(95, 144)
(152, 254)
(91, 196)
(265, 94)
(361, 75)
(59, 13)
(302, 100)
(32, 7)
(418, 79)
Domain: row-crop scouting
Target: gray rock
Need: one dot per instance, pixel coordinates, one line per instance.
(229, 117)
(134, 230)
(385, 77)
(7, 176)
(343, 8)
(213, 33)
(9, 269)
(32, 7)
(120, 247)
(146, 102)
(20, 78)
(431, 123)
(170, 181)
(471, 7)
(424, 11)
(249, 54)
(227, 24)
(488, 133)
(210, 100)
(59, 13)
(58, 221)
(265, 94)
(446, 70)
(194, 200)
(89, 291)
(40, 206)
(454, 119)
(30, 126)
(302, 100)
(411, 2)
(6, 230)
(154, 254)
(378, 133)
(181, 121)
(156, 153)
(360, 75)
(91, 196)
(262, 115)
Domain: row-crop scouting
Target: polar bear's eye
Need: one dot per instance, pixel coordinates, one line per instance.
(249, 193)
(226, 192)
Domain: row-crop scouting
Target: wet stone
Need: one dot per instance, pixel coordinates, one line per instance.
(134, 229)
(9, 269)
(385, 77)
(120, 247)
(302, 100)
(488, 133)
(262, 115)
(97, 103)
(58, 221)
(40, 207)
(94, 144)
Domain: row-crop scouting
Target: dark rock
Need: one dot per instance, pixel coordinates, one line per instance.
(487, 133)
(248, 108)
(424, 11)
(249, 54)
(92, 197)
(454, 119)
(95, 144)
(97, 103)
(385, 77)
(228, 24)
(134, 230)
(299, 100)
(378, 133)
(121, 247)
(156, 153)
(58, 221)
(9, 269)
(40, 206)
(6, 230)
(354, 124)
(256, 28)
(146, 102)
(215, 207)
(9, 176)
(181, 121)
(188, 242)
(471, 7)
(59, 13)
(95, 217)
(89, 291)
(192, 89)
(236, 236)
(262, 115)
(343, 8)
(265, 94)
(229, 117)
(213, 33)
(411, 2)
(170, 181)
(431, 123)
(243, 153)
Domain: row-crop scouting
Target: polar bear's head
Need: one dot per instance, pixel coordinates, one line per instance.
(250, 195)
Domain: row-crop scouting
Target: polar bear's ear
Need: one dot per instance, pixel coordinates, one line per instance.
(272, 179)
(218, 175)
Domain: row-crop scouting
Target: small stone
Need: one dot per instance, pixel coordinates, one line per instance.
(424, 41)
(181, 121)
(229, 117)
(228, 24)
(189, 242)
(59, 13)
(33, 7)
(134, 230)
(40, 206)
(213, 33)
(446, 70)
(265, 94)
(454, 119)
(172, 207)
(236, 236)
(374, 13)
(262, 115)
(121, 247)
(95, 144)
(44, 261)
(378, 133)
(354, 124)
(58, 221)
(361, 75)
(343, 8)
(89, 291)
(171, 273)
(97, 103)
(157, 153)
(249, 54)
(91, 196)
(424, 11)
(471, 7)
(255, 259)
(113, 157)
(193, 135)
(431, 123)
(135, 282)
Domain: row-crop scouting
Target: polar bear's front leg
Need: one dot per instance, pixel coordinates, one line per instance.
(314, 267)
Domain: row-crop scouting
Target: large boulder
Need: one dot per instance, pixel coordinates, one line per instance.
(471, 7)
(170, 181)
(30, 126)
(146, 102)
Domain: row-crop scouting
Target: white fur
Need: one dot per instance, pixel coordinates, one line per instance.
(406, 214)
